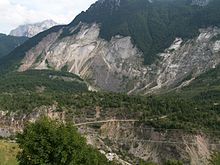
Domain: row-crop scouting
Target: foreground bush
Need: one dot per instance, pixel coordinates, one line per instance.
(48, 142)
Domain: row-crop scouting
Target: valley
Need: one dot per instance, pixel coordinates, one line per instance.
(140, 80)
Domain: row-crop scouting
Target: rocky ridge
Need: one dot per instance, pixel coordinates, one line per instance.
(31, 30)
(117, 65)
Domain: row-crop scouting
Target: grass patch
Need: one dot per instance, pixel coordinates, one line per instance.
(8, 152)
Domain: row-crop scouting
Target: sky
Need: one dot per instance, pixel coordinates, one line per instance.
(18, 12)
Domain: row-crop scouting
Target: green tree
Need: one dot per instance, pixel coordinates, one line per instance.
(215, 159)
(173, 162)
(48, 142)
(147, 163)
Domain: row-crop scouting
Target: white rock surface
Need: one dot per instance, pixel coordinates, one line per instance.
(117, 65)
(31, 30)
(216, 46)
(200, 2)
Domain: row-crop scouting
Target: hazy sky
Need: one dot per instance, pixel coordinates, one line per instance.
(17, 12)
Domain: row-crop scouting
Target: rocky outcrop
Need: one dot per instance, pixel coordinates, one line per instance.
(12, 122)
(31, 30)
(200, 2)
(94, 59)
(117, 65)
(126, 141)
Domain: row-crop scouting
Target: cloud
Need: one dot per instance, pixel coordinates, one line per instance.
(17, 12)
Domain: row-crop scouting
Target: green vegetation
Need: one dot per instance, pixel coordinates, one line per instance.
(170, 112)
(52, 142)
(173, 162)
(204, 88)
(24, 91)
(152, 26)
(208, 80)
(215, 159)
(13, 59)
(195, 108)
(41, 80)
(8, 43)
(8, 152)
(147, 163)
(168, 162)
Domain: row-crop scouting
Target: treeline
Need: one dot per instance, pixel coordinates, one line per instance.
(41, 80)
(171, 112)
(8, 43)
(52, 142)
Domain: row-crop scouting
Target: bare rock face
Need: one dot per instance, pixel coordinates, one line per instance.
(31, 30)
(200, 2)
(153, 145)
(94, 59)
(117, 65)
(123, 141)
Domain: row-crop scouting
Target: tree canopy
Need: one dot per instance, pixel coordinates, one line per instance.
(48, 142)
(215, 159)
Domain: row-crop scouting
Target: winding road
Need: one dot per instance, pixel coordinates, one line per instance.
(105, 121)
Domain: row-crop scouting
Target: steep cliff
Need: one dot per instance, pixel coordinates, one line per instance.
(117, 65)
(110, 43)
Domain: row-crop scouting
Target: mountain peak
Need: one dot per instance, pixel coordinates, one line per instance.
(48, 21)
(113, 4)
(30, 30)
(111, 1)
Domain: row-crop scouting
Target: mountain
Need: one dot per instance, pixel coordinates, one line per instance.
(30, 30)
(8, 43)
(153, 66)
(131, 46)
(153, 25)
